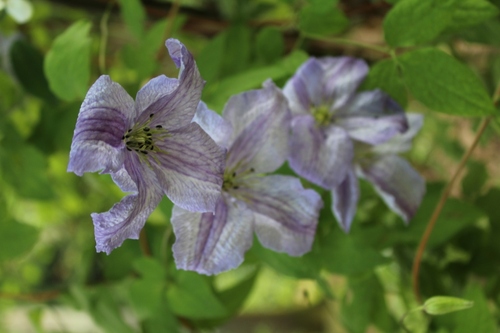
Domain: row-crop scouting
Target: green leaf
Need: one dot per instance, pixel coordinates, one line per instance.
(386, 76)
(471, 12)
(237, 50)
(484, 33)
(270, 45)
(27, 63)
(476, 177)
(414, 22)
(106, 313)
(163, 320)
(477, 319)
(439, 305)
(150, 269)
(210, 59)
(146, 297)
(191, 296)
(134, 15)
(322, 17)
(443, 84)
(67, 64)
(15, 238)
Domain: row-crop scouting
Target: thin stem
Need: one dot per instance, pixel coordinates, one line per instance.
(336, 40)
(143, 242)
(442, 200)
(104, 39)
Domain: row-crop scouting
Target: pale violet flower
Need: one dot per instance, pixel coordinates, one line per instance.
(150, 147)
(20, 10)
(328, 114)
(255, 129)
(399, 185)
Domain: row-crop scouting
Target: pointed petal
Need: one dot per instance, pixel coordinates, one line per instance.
(103, 119)
(172, 103)
(342, 77)
(286, 213)
(214, 125)
(321, 156)
(127, 218)
(345, 200)
(261, 123)
(191, 168)
(399, 185)
(304, 89)
(402, 142)
(212, 243)
(372, 117)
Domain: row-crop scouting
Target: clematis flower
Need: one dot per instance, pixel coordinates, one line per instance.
(394, 179)
(328, 115)
(255, 129)
(150, 147)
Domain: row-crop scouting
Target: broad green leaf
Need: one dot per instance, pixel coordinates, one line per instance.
(15, 238)
(476, 177)
(484, 33)
(414, 22)
(134, 16)
(385, 75)
(471, 12)
(146, 297)
(150, 269)
(107, 315)
(236, 50)
(191, 296)
(269, 45)
(163, 320)
(443, 84)
(210, 59)
(27, 63)
(67, 64)
(477, 319)
(322, 17)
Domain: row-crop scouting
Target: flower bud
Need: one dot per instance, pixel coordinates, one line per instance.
(440, 305)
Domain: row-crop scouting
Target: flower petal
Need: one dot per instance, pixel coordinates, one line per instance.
(190, 169)
(286, 213)
(20, 10)
(212, 243)
(103, 119)
(126, 218)
(345, 200)
(214, 125)
(402, 142)
(372, 117)
(341, 77)
(123, 180)
(173, 102)
(304, 89)
(261, 123)
(321, 156)
(399, 185)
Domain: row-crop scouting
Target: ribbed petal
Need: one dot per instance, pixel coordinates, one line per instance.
(402, 142)
(190, 168)
(124, 181)
(212, 243)
(214, 125)
(173, 108)
(304, 89)
(127, 218)
(399, 185)
(261, 124)
(103, 119)
(322, 156)
(341, 77)
(286, 213)
(345, 200)
(372, 117)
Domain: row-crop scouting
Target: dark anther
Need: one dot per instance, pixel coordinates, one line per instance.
(127, 136)
(148, 142)
(252, 170)
(235, 187)
(146, 129)
(144, 152)
(151, 115)
(129, 149)
(151, 148)
(129, 130)
(234, 174)
(128, 143)
(159, 126)
(123, 137)
(149, 134)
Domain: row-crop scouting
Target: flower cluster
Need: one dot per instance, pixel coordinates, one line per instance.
(217, 169)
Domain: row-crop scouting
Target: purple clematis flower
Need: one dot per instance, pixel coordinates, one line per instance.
(150, 147)
(328, 115)
(399, 185)
(255, 129)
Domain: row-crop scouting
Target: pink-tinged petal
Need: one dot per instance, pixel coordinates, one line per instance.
(126, 218)
(261, 124)
(402, 142)
(341, 78)
(320, 155)
(372, 117)
(286, 214)
(212, 243)
(214, 125)
(399, 185)
(173, 108)
(190, 168)
(103, 119)
(304, 89)
(345, 200)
